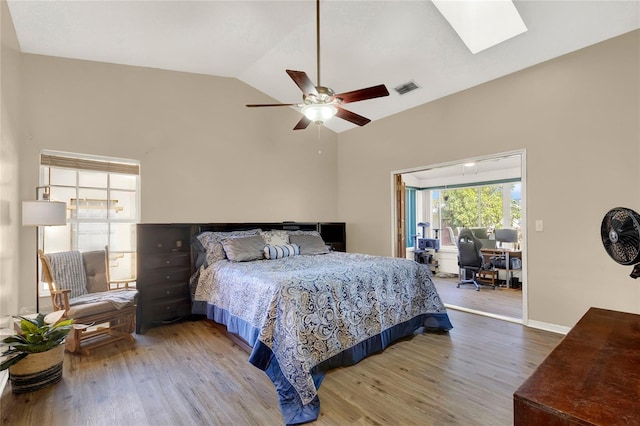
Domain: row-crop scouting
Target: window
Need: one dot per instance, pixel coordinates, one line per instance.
(102, 197)
(492, 205)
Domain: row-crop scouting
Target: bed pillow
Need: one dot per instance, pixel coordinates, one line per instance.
(275, 237)
(278, 252)
(300, 232)
(210, 243)
(199, 252)
(309, 244)
(243, 249)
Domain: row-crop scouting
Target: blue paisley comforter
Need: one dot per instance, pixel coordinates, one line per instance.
(301, 312)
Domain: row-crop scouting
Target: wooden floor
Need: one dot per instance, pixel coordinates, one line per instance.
(502, 301)
(190, 374)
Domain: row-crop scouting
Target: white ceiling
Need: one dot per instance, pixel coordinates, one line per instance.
(363, 43)
(479, 170)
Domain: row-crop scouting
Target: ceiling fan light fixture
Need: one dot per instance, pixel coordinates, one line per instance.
(319, 113)
(320, 102)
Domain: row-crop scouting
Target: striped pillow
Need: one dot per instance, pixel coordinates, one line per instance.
(278, 252)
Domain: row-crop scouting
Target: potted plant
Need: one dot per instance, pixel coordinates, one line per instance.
(34, 356)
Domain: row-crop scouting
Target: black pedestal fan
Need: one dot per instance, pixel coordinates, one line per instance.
(620, 232)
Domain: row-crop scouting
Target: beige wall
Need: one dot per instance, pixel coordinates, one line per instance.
(204, 156)
(578, 119)
(10, 138)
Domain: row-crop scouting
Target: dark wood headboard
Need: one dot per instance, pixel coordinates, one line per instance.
(266, 226)
(333, 233)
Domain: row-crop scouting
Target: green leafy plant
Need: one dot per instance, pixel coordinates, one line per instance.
(38, 335)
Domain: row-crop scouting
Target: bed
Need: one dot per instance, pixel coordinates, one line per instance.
(304, 309)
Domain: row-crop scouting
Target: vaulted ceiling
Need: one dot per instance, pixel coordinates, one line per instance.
(363, 43)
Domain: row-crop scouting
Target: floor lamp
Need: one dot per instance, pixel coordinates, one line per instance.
(42, 212)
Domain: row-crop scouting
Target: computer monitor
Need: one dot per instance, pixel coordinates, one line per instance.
(480, 233)
(506, 235)
(488, 244)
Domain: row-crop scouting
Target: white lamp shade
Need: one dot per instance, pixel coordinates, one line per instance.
(44, 213)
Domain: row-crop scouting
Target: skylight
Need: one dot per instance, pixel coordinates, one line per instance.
(482, 23)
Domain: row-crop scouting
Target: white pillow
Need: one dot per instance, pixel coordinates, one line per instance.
(275, 237)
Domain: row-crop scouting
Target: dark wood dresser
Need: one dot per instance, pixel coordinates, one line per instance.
(591, 378)
(164, 268)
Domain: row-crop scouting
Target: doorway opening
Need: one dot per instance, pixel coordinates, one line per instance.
(484, 194)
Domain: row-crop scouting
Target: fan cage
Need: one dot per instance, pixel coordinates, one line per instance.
(620, 232)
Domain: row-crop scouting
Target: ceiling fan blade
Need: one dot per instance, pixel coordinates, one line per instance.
(352, 117)
(268, 105)
(303, 81)
(362, 94)
(302, 124)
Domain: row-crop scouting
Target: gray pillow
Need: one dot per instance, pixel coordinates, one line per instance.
(309, 244)
(242, 249)
(209, 248)
(95, 265)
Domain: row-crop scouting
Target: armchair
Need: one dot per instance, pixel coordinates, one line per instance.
(79, 284)
(470, 258)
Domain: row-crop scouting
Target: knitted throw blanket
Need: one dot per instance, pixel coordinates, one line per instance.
(67, 271)
(120, 298)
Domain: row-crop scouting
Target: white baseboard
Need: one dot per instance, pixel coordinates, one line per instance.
(484, 314)
(554, 328)
(4, 332)
(4, 379)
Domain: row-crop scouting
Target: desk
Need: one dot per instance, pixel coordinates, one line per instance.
(508, 254)
(591, 378)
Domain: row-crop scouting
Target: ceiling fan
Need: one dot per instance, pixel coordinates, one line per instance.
(320, 103)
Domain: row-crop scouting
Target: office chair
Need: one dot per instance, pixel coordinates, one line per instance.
(470, 258)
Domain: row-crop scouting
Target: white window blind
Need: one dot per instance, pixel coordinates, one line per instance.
(78, 163)
(102, 199)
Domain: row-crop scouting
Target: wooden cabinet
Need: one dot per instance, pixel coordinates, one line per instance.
(591, 378)
(164, 268)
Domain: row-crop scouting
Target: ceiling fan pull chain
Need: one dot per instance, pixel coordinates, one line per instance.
(318, 40)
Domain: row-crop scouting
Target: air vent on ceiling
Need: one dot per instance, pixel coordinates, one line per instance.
(406, 87)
